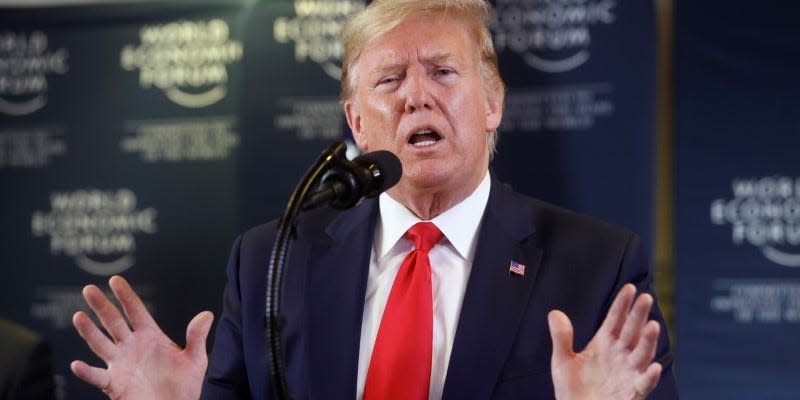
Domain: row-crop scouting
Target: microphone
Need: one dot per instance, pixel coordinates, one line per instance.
(347, 182)
(341, 183)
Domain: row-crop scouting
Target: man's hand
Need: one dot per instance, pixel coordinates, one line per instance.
(618, 361)
(142, 362)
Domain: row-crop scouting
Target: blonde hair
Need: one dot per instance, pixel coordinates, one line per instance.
(381, 16)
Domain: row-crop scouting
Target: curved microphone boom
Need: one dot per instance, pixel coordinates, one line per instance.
(368, 175)
(341, 183)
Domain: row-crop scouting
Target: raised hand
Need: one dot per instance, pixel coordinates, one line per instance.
(617, 364)
(141, 361)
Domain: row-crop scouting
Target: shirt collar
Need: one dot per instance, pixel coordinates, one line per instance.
(459, 224)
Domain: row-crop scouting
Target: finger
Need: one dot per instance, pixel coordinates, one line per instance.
(97, 377)
(131, 302)
(618, 312)
(97, 341)
(635, 321)
(646, 382)
(196, 334)
(108, 314)
(561, 334)
(646, 348)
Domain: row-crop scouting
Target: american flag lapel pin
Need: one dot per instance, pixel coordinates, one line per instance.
(516, 268)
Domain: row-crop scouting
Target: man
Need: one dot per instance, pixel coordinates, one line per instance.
(442, 288)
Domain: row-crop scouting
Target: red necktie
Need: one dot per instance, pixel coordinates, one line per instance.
(400, 367)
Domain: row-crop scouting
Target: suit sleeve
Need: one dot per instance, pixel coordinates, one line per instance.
(635, 269)
(227, 375)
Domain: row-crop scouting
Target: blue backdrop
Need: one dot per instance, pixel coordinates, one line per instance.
(118, 135)
(738, 199)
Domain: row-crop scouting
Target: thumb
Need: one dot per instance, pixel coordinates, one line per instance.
(196, 334)
(561, 334)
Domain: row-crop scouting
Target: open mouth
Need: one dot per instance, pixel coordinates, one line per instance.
(424, 138)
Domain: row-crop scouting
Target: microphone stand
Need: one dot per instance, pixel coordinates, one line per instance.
(276, 271)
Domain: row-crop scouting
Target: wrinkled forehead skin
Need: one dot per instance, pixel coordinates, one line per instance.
(380, 17)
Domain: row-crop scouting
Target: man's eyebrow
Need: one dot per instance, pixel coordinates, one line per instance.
(436, 56)
(391, 63)
(384, 67)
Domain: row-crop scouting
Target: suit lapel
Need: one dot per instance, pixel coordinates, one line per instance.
(495, 299)
(338, 264)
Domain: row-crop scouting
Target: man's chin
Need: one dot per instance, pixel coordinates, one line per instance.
(427, 183)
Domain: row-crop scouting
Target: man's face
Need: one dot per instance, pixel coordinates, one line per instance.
(419, 94)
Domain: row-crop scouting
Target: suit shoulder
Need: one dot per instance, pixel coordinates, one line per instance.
(550, 219)
(259, 233)
(311, 225)
(262, 236)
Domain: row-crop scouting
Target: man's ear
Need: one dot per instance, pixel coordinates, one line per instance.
(353, 116)
(494, 109)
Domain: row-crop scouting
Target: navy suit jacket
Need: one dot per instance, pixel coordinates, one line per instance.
(502, 346)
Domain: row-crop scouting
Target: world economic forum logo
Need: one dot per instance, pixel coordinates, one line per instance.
(550, 35)
(765, 213)
(97, 228)
(188, 60)
(26, 62)
(314, 31)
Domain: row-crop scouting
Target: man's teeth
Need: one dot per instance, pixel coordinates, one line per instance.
(424, 137)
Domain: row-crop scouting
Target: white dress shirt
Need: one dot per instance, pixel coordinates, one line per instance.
(451, 262)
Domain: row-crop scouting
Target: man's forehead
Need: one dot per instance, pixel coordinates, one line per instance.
(395, 58)
(427, 35)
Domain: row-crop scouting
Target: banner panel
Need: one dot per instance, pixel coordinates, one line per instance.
(738, 200)
(117, 144)
(290, 102)
(578, 127)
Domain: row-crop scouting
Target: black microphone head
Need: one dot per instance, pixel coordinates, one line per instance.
(385, 170)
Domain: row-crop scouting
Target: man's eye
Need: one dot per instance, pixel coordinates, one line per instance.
(444, 71)
(387, 80)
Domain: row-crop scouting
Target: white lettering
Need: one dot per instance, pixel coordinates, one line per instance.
(213, 31)
(326, 7)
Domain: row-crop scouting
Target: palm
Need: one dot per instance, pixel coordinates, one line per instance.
(163, 362)
(142, 363)
(617, 362)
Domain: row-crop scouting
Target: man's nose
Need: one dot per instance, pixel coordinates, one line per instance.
(417, 92)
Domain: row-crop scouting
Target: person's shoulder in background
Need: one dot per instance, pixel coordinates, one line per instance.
(26, 370)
